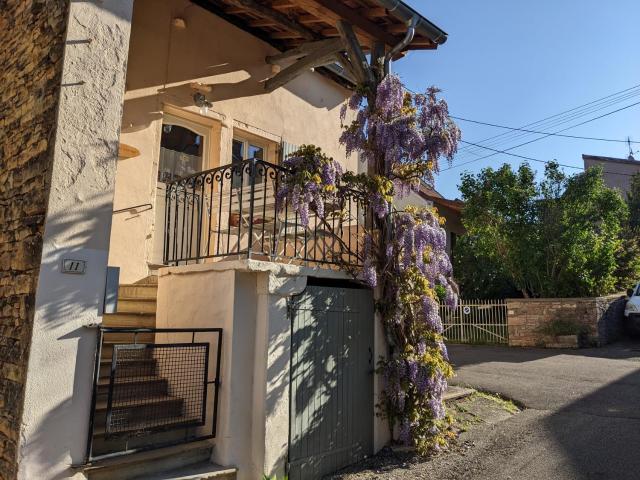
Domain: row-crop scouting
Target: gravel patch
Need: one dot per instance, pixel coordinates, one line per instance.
(476, 419)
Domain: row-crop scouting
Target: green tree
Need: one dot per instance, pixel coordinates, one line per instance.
(558, 237)
(633, 202)
(628, 255)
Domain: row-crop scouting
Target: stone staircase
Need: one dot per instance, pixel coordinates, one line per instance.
(137, 309)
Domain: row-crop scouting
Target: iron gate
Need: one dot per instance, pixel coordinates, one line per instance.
(476, 321)
(331, 418)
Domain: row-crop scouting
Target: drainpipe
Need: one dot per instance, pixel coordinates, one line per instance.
(411, 31)
(405, 13)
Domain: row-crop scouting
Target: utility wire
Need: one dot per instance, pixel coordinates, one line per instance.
(539, 138)
(511, 136)
(576, 111)
(525, 157)
(541, 133)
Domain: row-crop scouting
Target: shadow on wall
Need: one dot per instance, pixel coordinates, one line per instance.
(56, 430)
(599, 434)
(70, 439)
(164, 60)
(63, 297)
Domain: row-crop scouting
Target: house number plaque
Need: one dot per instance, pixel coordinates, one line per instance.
(76, 267)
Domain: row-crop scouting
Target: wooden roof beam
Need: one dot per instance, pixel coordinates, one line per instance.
(334, 44)
(309, 19)
(282, 4)
(374, 12)
(358, 60)
(320, 56)
(284, 35)
(335, 10)
(271, 14)
(235, 10)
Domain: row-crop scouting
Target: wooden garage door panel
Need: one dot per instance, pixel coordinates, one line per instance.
(332, 380)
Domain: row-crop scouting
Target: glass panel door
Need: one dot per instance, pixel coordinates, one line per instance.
(244, 150)
(183, 152)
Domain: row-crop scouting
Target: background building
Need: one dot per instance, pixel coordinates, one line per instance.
(617, 171)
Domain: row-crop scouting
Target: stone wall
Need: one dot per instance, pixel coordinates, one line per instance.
(31, 50)
(610, 312)
(600, 317)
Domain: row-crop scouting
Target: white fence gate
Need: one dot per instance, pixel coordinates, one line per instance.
(476, 321)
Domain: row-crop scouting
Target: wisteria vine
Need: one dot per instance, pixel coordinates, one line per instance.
(402, 137)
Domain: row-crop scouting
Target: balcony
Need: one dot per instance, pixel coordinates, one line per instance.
(231, 212)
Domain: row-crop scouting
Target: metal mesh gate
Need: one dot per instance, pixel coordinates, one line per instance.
(157, 387)
(476, 321)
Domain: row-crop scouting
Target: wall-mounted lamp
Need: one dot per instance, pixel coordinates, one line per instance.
(201, 101)
(179, 22)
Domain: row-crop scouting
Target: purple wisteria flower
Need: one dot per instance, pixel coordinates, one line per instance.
(402, 137)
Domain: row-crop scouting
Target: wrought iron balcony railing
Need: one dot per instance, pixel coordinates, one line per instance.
(231, 211)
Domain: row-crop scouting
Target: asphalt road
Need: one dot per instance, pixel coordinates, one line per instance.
(581, 417)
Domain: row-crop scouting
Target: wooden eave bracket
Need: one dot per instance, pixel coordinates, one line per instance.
(304, 50)
(359, 64)
(308, 56)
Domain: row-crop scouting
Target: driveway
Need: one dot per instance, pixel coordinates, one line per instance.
(581, 417)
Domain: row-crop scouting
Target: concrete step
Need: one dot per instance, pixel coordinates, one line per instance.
(131, 320)
(142, 426)
(144, 366)
(140, 387)
(149, 464)
(454, 392)
(117, 443)
(204, 471)
(156, 402)
(150, 280)
(127, 338)
(136, 305)
(138, 291)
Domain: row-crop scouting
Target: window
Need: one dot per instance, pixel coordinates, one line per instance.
(181, 152)
(244, 149)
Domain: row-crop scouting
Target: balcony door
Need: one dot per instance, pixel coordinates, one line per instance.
(184, 150)
(245, 149)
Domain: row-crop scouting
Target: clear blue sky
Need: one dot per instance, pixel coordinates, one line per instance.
(514, 62)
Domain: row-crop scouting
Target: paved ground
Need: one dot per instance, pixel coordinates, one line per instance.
(581, 418)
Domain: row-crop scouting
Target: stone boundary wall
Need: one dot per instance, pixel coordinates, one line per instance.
(31, 50)
(602, 317)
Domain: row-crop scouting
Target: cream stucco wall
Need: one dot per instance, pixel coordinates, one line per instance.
(163, 61)
(57, 401)
(248, 299)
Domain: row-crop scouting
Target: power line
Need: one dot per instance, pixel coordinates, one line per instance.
(574, 112)
(567, 117)
(539, 138)
(542, 133)
(514, 135)
(524, 157)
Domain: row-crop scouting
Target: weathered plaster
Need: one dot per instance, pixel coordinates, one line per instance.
(78, 220)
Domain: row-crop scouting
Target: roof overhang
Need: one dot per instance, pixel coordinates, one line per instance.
(437, 199)
(286, 24)
(291, 24)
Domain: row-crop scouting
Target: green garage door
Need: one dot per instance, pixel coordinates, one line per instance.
(331, 380)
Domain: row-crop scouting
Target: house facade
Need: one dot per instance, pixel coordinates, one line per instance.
(161, 312)
(616, 172)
